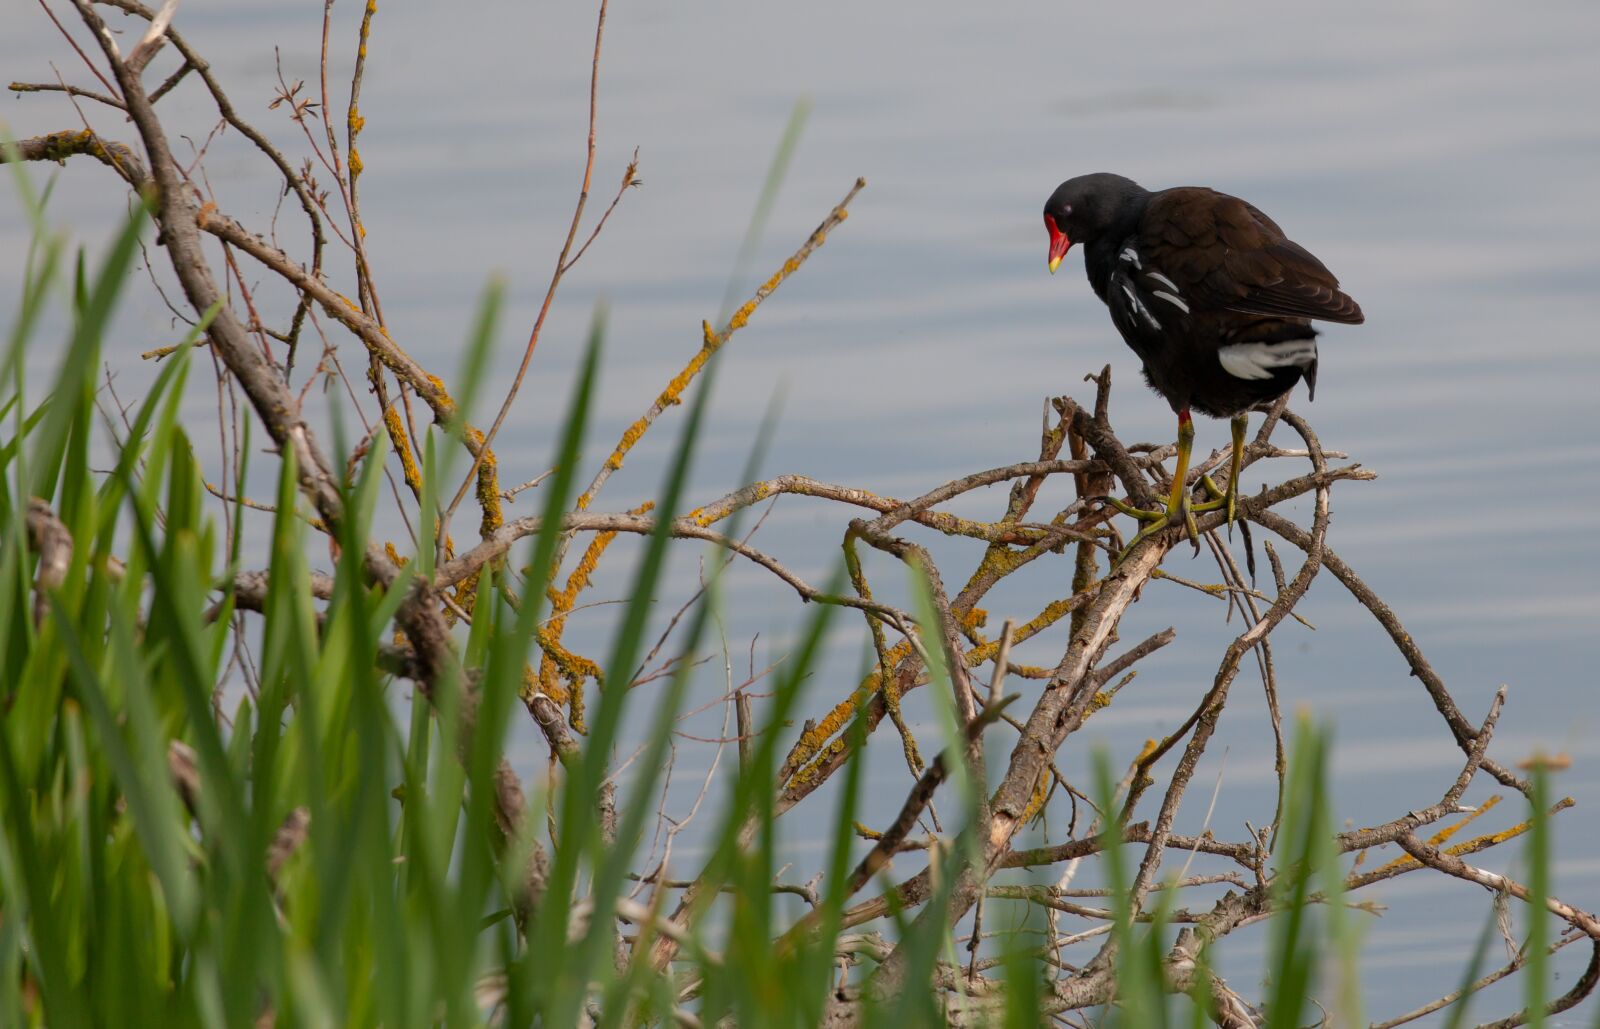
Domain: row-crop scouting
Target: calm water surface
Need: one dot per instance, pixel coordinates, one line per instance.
(1439, 157)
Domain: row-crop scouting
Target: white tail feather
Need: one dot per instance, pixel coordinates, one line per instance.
(1259, 360)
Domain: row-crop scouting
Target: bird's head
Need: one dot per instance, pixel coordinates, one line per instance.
(1083, 209)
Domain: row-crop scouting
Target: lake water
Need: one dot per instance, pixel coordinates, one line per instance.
(1439, 157)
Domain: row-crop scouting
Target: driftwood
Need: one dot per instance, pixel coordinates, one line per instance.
(204, 244)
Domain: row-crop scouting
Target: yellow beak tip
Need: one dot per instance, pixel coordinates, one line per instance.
(1055, 262)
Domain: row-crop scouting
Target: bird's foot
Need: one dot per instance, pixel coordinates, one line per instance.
(1221, 500)
(1157, 522)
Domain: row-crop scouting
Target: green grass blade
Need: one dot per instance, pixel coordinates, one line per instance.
(79, 364)
(583, 790)
(777, 171)
(529, 989)
(1539, 857)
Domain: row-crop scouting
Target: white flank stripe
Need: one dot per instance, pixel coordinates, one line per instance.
(1138, 306)
(1164, 281)
(1174, 301)
(1131, 254)
(1258, 360)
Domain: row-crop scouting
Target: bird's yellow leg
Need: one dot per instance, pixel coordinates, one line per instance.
(1230, 498)
(1178, 501)
(1178, 507)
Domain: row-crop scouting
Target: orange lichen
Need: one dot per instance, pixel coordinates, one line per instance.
(531, 686)
(402, 446)
(441, 396)
(668, 397)
(1041, 793)
(58, 146)
(465, 596)
(1475, 844)
(489, 494)
(1052, 613)
(576, 709)
(812, 770)
(575, 667)
(703, 517)
(1450, 830)
(1001, 561)
(557, 662)
(813, 742)
(712, 341)
(1491, 839)
(562, 601)
(488, 490)
(633, 434)
(355, 162)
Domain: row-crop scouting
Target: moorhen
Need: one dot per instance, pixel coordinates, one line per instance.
(1212, 296)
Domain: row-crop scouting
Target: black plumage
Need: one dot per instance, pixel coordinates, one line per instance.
(1189, 271)
(1205, 288)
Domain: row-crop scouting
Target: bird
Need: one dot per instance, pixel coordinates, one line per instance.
(1211, 295)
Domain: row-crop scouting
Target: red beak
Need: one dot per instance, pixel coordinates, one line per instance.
(1059, 243)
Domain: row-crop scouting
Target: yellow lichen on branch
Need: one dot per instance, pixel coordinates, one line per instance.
(488, 492)
(705, 517)
(1473, 845)
(1478, 843)
(671, 395)
(809, 772)
(532, 687)
(812, 741)
(443, 406)
(711, 342)
(575, 668)
(402, 446)
(489, 495)
(1036, 801)
(556, 661)
(812, 748)
(1442, 835)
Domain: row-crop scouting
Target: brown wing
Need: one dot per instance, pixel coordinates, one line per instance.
(1223, 253)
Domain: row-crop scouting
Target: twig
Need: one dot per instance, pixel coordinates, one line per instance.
(712, 343)
(57, 87)
(682, 528)
(555, 278)
(1403, 641)
(1515, 965)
